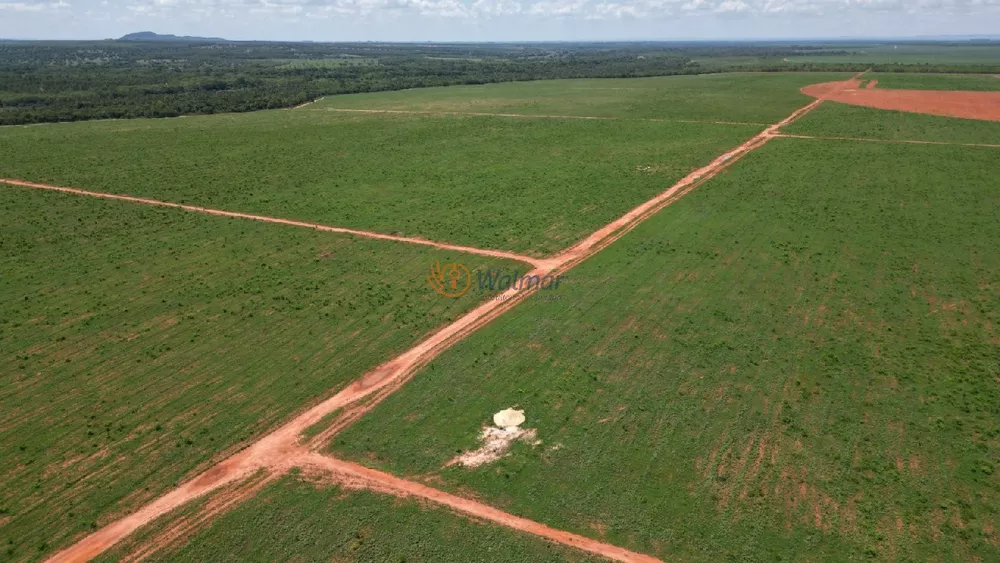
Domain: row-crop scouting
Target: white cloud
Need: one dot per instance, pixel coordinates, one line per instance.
(34, 6)
(499, 19)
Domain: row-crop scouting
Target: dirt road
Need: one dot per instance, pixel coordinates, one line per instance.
(353, 475)
(279, 221)
(281, 449)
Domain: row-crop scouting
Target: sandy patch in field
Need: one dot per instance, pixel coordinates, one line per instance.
(497, 440)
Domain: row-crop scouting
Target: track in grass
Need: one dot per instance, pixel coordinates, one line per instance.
(530, 116)
(738, 97)
(799, 356)
(900, 141)
(278, 221)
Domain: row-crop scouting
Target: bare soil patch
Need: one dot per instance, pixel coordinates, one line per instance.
(967, 105)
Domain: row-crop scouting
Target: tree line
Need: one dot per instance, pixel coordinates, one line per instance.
(70, 81)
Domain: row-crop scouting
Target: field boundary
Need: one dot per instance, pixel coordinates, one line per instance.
(891, 141)
(539, 116)
(278, 450)
(276, 220)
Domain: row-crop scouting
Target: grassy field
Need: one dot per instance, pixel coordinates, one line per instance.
(797, 360)
(912, 81)
(533, 185)
(909, 54)
(139, 344)
(764, 98)
(299, 520)
(841, 120)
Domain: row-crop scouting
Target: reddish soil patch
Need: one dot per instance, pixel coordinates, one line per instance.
(967, 105)
(871, 84)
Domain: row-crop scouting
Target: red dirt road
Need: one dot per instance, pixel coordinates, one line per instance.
(354, 475)
(262, 218)
(968, 105)
(281, 449)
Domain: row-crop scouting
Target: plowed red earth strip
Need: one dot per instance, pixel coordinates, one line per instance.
(968, 105)
(282, 448)
(289, 222)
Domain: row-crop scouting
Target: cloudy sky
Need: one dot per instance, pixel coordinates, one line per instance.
(497, 20)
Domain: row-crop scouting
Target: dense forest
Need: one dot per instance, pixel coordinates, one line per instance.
(67, 81)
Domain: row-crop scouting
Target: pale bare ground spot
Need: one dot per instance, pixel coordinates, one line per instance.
(280, 450)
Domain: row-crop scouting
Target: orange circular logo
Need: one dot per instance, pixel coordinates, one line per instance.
(450, 280)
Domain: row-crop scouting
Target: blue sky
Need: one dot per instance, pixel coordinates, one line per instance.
(497, 20)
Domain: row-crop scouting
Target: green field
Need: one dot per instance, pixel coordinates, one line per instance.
(798, 360)
(516, 184)
(913, 81)
(841, 120)
(759, 98)
(314, 522)
(140, 344)
(911, 54)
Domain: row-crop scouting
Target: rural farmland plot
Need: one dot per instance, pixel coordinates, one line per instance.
(140, 344)
(773, 336)
(799, 356)
(531, 186)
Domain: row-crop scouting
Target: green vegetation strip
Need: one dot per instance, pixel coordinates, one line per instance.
(914, 81)
(799, 357)
(525, 185)
(139, 344)
(912, 57)
(840, 120)
(745, 97)
(294, 519)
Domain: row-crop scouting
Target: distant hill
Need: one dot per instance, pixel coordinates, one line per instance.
(150, 36)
